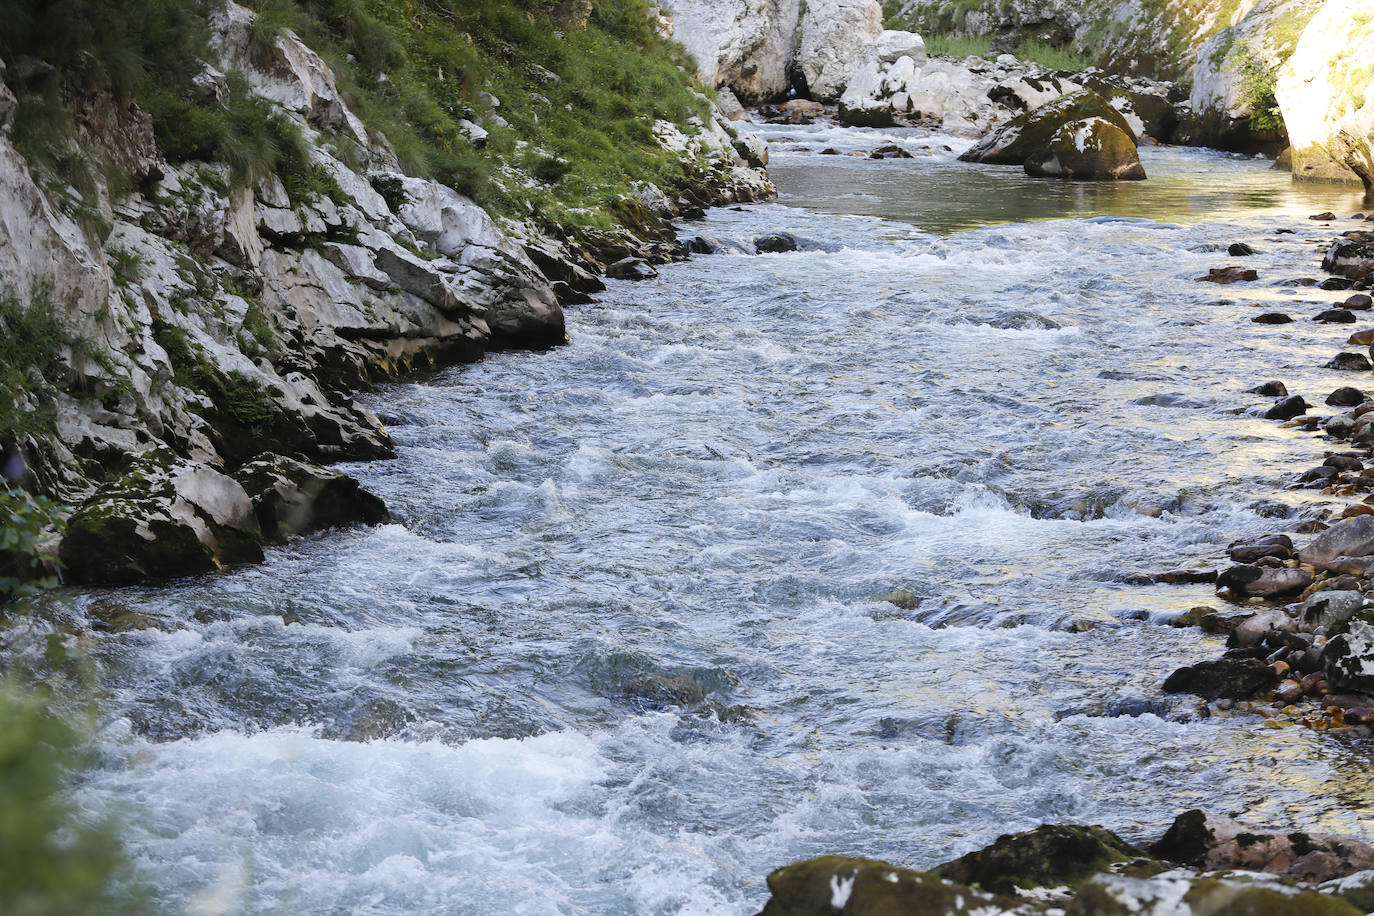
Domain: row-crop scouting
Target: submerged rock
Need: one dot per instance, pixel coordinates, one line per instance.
(165, 516)
(1051, 855)
(291, 497)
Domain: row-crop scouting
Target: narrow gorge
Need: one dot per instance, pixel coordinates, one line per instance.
(755, 456)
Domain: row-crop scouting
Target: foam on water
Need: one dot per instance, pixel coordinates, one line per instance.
(812, 552)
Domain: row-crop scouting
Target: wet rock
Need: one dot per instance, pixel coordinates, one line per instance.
(1359, 303)
(1349, 362)
(1253, 631)
(631, 269)
(1335, 316)
(1224, 622)
(1184, 577)
(1361, 338)
(1229, 678)
(1344, 463)
(866, 887)
(1348, 658)
(1339, 426)
(891, 151)
(1272, 318)
(1325, 215)
(1250, 553)
(1185, 893)
(1328, 609)
(1361, 567)
(1263, 581)
(1319, 476)
(291, 497)
(1226, 275)
(1351, 538)
(710, 244)
(164, 517)
(1048, 856)
(1336, 283)
(1240, 250)
(1345, 396)
(1271, 389)
(1213, 842)
(775, 243)
(1287, 408)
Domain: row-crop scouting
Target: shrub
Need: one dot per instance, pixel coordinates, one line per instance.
(25, 521)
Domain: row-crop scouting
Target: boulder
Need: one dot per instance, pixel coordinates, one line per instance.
(892, 45)
(1349, 362)
(746, 45)
(1348, 658)
(1222, 678)
(165, 516)
(631, 269)
(1345, 396)
(1050, 856)
(1349, 538)
(1030, 133)
(867, 887)
(1212, 842)
(1325, 94)
(1263, 581)
(1329, 609)
(291, 497)
(1092, 149)
(1287, 408)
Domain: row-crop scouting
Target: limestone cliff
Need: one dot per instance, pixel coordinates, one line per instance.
(1326, 93)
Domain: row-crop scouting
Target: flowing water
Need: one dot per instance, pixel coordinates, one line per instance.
(626, 649)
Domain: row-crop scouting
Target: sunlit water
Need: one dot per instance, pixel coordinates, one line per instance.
(625, 650)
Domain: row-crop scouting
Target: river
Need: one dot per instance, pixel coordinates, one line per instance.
(625, 648)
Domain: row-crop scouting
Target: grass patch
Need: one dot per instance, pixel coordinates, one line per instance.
(951, 45)
(1052, 57)
(237, 398)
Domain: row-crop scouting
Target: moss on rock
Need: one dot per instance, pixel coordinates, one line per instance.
(1052, 855)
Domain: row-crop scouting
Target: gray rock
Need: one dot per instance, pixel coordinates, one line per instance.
(164, 517)
(291, 497)
(1353, 537)
(1348, 658)
(631, 269)
(1328, 609)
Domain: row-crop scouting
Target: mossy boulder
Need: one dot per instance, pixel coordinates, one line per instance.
(1092, 149)
(827, 885)
(1030, 133)
(291, 497)
(165, 516)
(1052, 855)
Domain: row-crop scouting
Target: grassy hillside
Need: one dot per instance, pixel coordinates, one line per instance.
(566, 90)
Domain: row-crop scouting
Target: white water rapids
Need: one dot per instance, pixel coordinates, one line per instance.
(625, 648)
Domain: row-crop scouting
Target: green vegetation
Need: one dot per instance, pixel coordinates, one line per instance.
(1049, 56)
(951, 45)
(25, 522)
(237, 397)
(56, 862)
(1257, 80)
(31, 345)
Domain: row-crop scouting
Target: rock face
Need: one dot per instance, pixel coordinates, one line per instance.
(1071, 132)
(836, 37)
(746, 45)
(759, 49)
(164, 517)
(1326, 94)
(291, 497)
(1232, 100)
(1092, 149)
(1159, 39)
